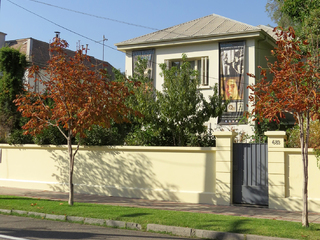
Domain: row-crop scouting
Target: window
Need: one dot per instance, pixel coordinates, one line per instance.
(144, 54)
(199, 64)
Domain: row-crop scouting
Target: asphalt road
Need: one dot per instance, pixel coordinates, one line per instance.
(21, 228)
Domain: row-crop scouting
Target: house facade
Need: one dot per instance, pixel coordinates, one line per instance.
(221, 49)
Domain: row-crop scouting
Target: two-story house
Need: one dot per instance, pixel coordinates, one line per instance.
(221, 49)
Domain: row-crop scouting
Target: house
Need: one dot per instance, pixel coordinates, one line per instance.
(221, 49)
(37, 52)
(2, 39)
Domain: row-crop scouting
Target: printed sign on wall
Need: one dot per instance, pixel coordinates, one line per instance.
(232, 80)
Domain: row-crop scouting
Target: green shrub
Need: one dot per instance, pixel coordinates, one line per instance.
(17, 137)
(50, 135)
(99, 136)
(293, 136)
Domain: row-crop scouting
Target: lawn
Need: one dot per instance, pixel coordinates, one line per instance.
(143, 216)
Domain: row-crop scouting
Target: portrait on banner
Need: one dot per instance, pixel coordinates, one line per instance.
(232, 58)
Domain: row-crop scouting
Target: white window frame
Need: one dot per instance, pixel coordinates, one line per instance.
(203, 71)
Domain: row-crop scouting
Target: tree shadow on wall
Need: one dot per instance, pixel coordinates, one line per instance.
(112, 173)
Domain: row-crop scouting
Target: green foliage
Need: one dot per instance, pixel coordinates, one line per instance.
(12, 62)
(183, 109)
(260, 127)
(12, 67)
(293, 138)
(302, 15)
(17, 137)
(293, 135)
(263, 125)
(298, 10)
(50, 135)
(99, 136)
(173, 117)
(147, 134)
(144, 98)
(144, 216)
(206, 139)
(176, 115)
(273, 8)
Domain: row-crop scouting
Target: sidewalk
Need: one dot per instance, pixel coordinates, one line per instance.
(244, 211)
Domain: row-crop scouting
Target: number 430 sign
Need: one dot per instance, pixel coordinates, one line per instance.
(276, 142)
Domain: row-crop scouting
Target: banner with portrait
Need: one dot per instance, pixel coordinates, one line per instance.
(144, 54)
(231, 83)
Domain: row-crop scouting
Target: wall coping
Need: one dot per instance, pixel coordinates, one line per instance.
(275, 133)
(224, 134)
(112, 148)
(290, 150)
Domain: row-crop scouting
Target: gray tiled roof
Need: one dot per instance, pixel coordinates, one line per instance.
(268, 30)
(202, 27)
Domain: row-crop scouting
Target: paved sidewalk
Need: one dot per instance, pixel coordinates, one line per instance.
(244, 211)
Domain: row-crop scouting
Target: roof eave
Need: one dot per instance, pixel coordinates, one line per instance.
(212, 38)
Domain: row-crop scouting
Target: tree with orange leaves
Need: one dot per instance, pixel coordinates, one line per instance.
(80, 98)
(295, 89)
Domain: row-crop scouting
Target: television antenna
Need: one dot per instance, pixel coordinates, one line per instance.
(104, 39)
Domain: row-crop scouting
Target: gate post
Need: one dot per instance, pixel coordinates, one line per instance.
(276, 168)
(224, 155)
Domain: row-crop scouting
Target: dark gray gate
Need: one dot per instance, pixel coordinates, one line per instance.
(250, 173)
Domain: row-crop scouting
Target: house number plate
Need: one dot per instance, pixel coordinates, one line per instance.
(276, 142)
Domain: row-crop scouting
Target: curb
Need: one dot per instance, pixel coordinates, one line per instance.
(179, 231)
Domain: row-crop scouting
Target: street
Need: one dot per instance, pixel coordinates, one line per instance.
(21, 228)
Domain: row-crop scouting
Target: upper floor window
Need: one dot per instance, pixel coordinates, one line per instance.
(144, 54)
(200, 64)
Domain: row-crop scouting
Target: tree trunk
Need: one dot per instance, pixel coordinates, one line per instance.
(305, 221)
(71, 164)
(304, 155)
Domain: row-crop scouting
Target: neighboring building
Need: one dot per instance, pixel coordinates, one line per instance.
(221, 49)
(37, 52)
(2, 39)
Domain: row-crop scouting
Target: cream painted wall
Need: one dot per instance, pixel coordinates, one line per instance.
(210, 49)
(173, 174)
(128, 64)
(184, 174)
(285, 176)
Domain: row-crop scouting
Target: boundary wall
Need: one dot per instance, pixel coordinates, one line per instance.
(183, 174)
(285, 175)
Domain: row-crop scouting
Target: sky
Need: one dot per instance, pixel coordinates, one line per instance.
(118, 20)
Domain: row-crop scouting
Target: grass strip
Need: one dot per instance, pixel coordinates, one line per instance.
(144, 216)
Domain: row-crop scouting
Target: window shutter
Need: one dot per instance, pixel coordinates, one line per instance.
(204, 70)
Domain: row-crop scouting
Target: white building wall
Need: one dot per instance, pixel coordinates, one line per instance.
(128, 63)
(255, 56)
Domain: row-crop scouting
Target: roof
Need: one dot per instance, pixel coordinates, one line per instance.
(211, 25)
(268, 30)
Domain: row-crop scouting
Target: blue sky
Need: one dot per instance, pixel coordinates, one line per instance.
(118, 20)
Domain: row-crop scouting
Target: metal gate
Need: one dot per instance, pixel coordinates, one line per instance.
(250, 173)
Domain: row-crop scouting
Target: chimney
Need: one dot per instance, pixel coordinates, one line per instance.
(2, 39)
(57, 34)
